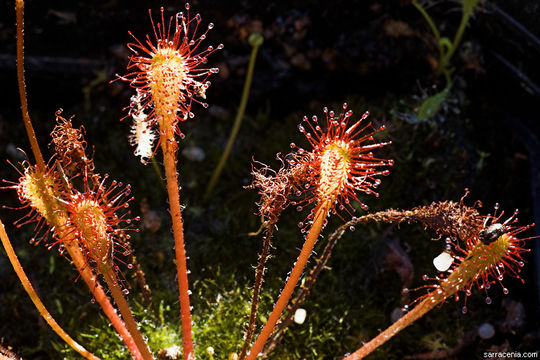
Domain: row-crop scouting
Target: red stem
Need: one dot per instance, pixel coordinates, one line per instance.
(123, 306)
(419, 310)
(19, 7)
(97, 291)
(320, 215)
(168, 146)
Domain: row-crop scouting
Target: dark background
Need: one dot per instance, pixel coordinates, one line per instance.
(376, 55)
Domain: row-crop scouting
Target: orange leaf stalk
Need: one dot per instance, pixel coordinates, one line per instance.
(35, 298)
(257, 285)
(169, 146)
(320, 215)
(275, 189)
(168, 77)
(97, 291)
(123, 306)
(94, 217)
(95, 222)
(42, 192)
(339, 166)
(58, 221)
(489, 254)
(19, 7)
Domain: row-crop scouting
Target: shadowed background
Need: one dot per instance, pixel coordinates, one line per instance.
(371, 54)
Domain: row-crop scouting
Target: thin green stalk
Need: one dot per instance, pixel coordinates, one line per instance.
(431, 24)
(459, 35)
(445, 60)
(445, 57)
(255, 40)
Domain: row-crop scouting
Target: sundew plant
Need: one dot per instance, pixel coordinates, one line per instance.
(284, 251)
